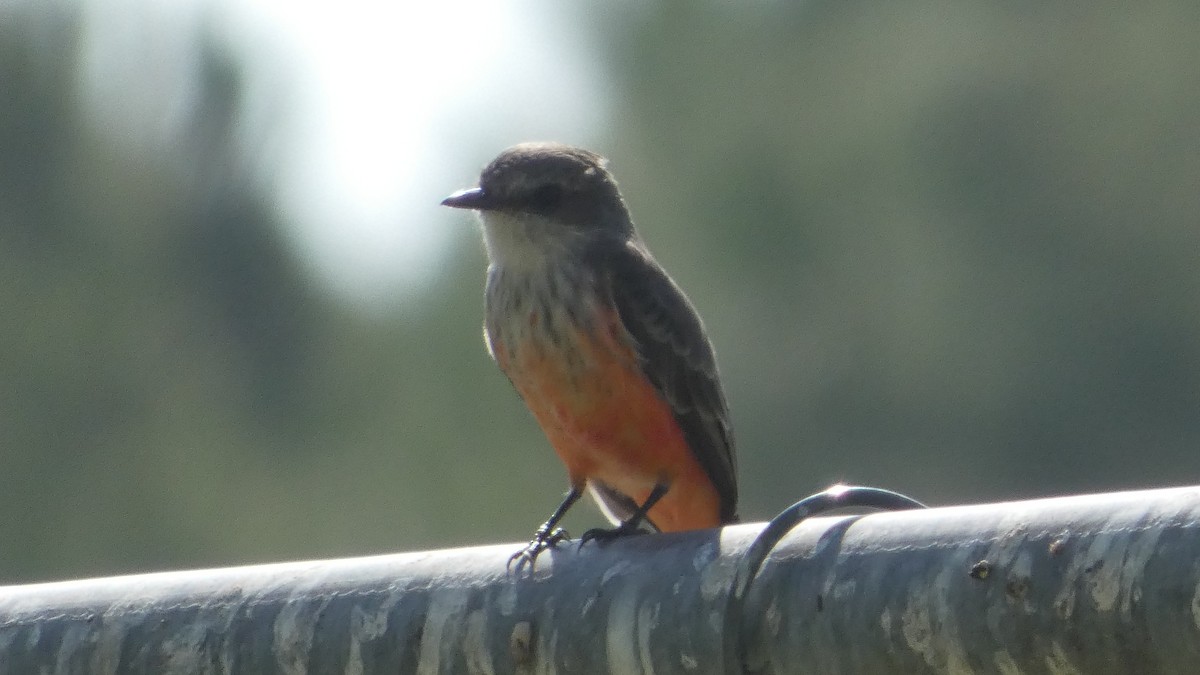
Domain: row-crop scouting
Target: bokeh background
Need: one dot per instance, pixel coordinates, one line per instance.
(945, 247)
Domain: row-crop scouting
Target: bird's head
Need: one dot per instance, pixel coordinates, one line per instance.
(544, 194)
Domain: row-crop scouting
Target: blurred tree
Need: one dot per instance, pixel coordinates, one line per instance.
(958, 230)
(177, 389)
(947, 248)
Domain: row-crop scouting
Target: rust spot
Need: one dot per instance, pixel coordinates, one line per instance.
(520, 643)
(1057, 546)
(1017, 588)
(980, 570)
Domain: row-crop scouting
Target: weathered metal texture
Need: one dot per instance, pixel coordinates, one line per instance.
(613, 608)
(1097, 584)
(1103, 584)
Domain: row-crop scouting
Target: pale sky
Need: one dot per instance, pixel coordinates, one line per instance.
(387, 107)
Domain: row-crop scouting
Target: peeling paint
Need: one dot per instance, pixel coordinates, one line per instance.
(443, 619)
(842, 590)
(929, 624)
(1102, 579)
(475, 645)
(946, 636)
(1017, 584)
(916, 625)
(716, 621)
(1079, 575)
(104, 659)
(181, 648)
(364, 627)
(620, 638)
(588, 605)
(293, 630)
(618, 569)
(716, 577)
(1132, 570)
(773, 618)
(647, 621)
(551, 647)
(704, 556)
(506, 599)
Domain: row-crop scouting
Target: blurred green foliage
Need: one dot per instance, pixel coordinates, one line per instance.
(946, 248)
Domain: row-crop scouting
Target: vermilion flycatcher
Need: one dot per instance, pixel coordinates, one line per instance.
(604, 348)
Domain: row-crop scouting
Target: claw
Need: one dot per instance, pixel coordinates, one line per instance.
(543, 539)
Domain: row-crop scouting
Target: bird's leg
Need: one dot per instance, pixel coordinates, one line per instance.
(630, 525)
(548, 534)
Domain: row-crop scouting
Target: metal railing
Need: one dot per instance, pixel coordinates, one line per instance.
(1096, 584)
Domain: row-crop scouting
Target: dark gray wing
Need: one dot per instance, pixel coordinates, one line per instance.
(677, 357)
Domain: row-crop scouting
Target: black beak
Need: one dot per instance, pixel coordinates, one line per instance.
(470, 198)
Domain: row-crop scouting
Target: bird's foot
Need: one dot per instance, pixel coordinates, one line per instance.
(604, 535)
(543, 539)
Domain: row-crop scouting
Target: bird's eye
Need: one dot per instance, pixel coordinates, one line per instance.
(546, 197)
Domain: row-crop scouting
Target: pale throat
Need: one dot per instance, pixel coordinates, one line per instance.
(527, 242)
(538, 292)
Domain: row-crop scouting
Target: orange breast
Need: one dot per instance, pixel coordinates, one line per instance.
(606, 421)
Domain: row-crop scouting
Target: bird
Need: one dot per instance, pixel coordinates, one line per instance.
(607, 352)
